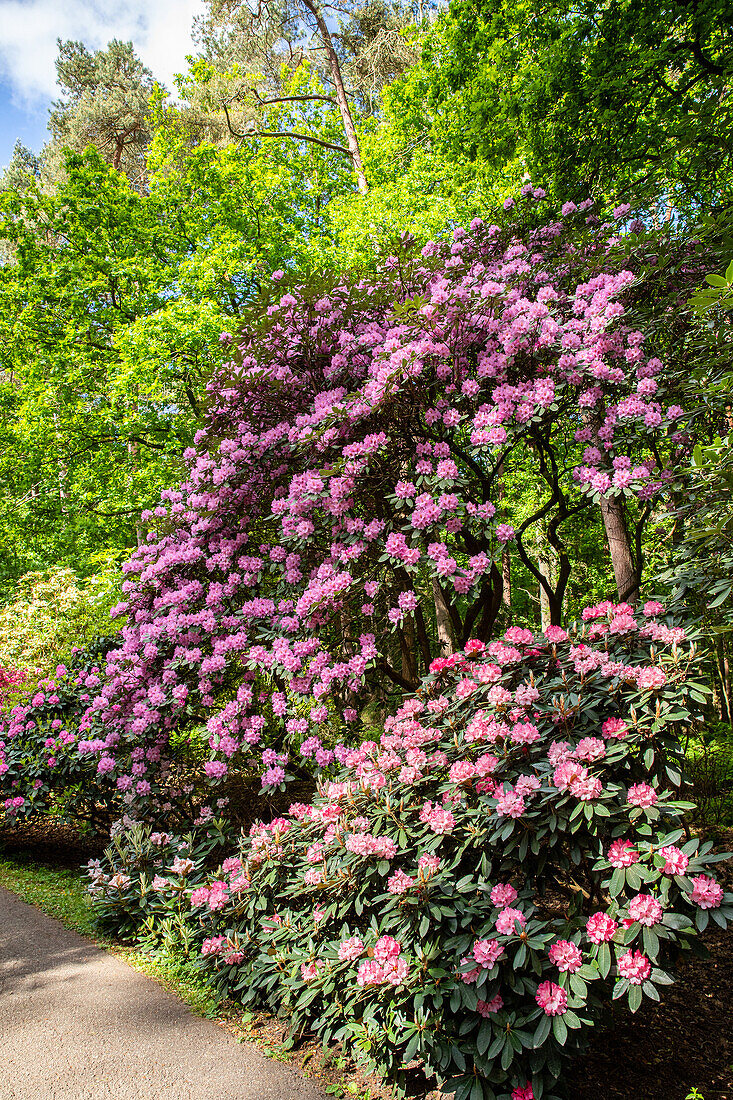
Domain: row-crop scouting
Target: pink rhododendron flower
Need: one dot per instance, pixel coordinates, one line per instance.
(634, 966)
(503, 894)
(386, 947)
(615, 727)
(506, 920)
(566, 956)
(645, 909)
(675, 860)
(600, 927)
(641, 794)
(488, 1008)
(552, 999)
(309, 971)
(399, 883)
(706, 892)
(350, 949)
(428, 865)
(622, 853)
(651, 679)
(509, 804)
(525, 1093)
(487, 952)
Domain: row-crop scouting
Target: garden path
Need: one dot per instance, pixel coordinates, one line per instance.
(78, 1024)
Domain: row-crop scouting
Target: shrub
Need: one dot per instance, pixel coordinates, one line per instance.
(43, 765)
(472, 890)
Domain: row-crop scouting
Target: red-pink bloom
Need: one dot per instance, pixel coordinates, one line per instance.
(525, 1093)
(386, 947)
(566, 956)
(552, 999)
(462, 771)
(487, 952)
(587, 788)
(622, 854)
(645, 909)
(506, 920)
(428, 865)
(488, 1008)
(634, 966)
(309, 971)
(395, 971)
(706, 892)
(600, 927)
(350, 949)
(641, 794)
(675, 860)
(590, 749)
(503, 894)
(370, 972)
(509, 804)
(614, 727)
(399, 883)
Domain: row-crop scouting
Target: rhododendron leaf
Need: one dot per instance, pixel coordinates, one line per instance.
(542, 1030)
(651, 942)
(507, 1054)
(604, 960)
(497, 1045)
(635, 997)
(620, 988)
(571, 1020)
(676, 920)
(578, 986)
(559, 1029)
(617, 883)
(633, 878)
(483, 1039)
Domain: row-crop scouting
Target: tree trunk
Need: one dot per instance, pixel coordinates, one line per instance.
(547, 565)
(506, 576)
(619, 545)
(625, 571)
(443, 620)
(349, 129)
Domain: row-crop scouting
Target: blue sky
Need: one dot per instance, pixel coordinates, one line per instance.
(28, 125)
(159, 29)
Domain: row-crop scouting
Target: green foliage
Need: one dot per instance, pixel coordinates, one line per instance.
(52, 612)
(627, 101)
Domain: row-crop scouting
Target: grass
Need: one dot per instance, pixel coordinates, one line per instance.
(61, 893)
(58, 892)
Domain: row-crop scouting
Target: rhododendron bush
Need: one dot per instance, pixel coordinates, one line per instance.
(343, 515)
(472, 889)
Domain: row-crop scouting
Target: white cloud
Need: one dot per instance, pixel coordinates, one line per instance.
(159, 29)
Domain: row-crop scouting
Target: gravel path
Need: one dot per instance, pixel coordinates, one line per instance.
(78, 1024)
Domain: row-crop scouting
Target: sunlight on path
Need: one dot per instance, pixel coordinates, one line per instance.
(78, 1024)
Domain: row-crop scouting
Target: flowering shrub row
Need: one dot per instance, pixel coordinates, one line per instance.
(470, 890)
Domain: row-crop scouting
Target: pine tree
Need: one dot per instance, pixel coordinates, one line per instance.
(105, 102)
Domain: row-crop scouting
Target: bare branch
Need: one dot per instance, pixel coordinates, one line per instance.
(285, 134)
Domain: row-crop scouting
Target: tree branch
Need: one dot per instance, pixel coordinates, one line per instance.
(286, 134)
